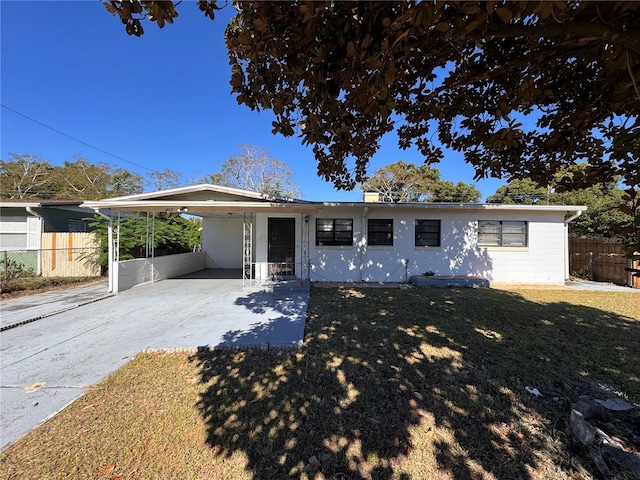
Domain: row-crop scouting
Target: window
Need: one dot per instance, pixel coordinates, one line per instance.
(493, 233)
(380, 232)
(427, 233)
(334, 231)
(77, 226)
(13, 240)
(13, 232)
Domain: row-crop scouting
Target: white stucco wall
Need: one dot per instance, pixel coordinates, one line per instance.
(141, 270)
(222, 241)
(542, 261)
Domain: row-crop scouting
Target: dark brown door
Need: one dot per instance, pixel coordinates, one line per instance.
(282, 246)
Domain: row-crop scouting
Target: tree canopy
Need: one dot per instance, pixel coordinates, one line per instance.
(255, 170)
(29, 176)
(406, 182)
(521, 192)
(522, 88)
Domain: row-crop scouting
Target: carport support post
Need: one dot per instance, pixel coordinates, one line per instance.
(153, 242)
(110, 265)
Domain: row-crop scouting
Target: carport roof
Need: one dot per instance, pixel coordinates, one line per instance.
(202, 199)
(14, 202)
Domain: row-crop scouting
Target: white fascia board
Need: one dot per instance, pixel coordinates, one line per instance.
(19, 204)
(460, 206)
(203, 187)
(198, 206)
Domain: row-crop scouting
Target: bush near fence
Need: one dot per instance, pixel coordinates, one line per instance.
(601, 260)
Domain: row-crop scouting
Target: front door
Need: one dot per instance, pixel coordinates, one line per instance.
(282, 246)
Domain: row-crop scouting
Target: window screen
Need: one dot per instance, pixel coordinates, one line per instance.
(494, 233)
(380, 231)
(334, 231)
(427, 233)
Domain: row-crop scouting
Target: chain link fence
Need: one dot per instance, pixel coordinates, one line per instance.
(60, 262)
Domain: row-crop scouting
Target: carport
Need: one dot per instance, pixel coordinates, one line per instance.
(265, 238)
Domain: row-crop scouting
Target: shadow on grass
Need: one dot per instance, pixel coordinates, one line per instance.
(414, 384)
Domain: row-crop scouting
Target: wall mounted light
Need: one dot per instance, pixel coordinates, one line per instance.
(306, 219)
(183, 210)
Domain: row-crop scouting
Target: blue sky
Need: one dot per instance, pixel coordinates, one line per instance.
(160, 101)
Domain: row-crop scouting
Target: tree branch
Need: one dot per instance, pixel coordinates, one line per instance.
(543, 55)
(581, 29)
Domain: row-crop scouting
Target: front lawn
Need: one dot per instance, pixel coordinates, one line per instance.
(404, 384)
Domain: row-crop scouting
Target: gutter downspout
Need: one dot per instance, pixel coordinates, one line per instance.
(40, 232)
(566, 242)
(363, 244)
(110, 254)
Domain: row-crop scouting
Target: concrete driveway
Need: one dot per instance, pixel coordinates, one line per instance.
(17, 311)
(48, 363)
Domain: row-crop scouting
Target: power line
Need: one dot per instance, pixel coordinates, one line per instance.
(75, 139)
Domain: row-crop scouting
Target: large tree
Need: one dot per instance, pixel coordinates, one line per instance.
(523, 88)
(407, 182)
(522, 192)
(255, 170)
(29, 176)
(25, 176)
(165, 179)
(83, 180)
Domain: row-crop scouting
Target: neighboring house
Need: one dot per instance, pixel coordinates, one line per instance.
(31, 226)
(352, 241)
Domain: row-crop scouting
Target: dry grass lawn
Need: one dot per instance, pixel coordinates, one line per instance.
(403, 384)
(19, 287)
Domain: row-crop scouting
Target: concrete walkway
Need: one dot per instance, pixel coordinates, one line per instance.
(600, 286)
(17, 311)
(48, 363)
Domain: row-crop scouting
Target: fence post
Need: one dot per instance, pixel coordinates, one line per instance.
(590, 265)
(6, 267)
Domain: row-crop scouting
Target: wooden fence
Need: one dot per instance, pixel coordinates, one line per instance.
(601, 260)
(69, 255)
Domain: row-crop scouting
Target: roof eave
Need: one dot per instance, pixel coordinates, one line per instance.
(195, 207)
(460, 206)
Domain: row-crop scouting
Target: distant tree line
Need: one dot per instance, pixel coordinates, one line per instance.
(28, 176)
